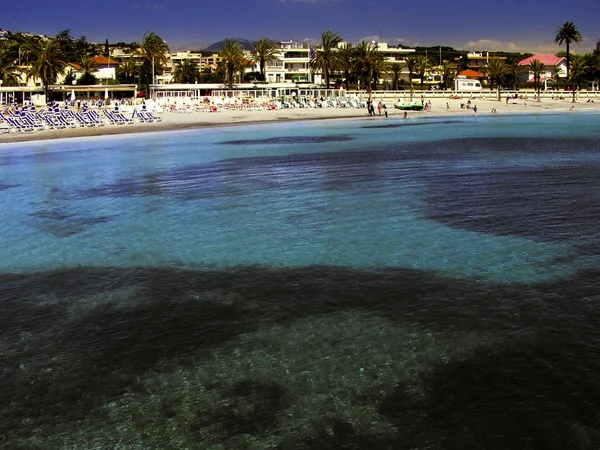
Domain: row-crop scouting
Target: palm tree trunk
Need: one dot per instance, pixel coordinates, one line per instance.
(568, 60)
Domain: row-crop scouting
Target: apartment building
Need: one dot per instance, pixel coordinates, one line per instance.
(292, 64)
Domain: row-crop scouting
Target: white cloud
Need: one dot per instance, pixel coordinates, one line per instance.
(493, 46)
(502, 46)
(391, 41)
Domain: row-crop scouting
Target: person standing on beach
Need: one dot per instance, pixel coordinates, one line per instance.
(379, 107)
(475, 109)
(405, 114)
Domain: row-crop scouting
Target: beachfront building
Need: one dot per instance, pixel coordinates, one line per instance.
(552, 63)
(476, 61)
(175, 58)
(393, 55)
(292, 63)
(107, 68)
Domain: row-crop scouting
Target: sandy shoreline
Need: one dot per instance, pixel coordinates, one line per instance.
(178, 121)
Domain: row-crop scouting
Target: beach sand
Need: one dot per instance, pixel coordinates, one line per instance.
(174, 121)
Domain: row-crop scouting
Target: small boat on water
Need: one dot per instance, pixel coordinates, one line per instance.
(408, 106)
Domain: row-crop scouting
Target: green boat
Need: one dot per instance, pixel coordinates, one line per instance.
(408, 107)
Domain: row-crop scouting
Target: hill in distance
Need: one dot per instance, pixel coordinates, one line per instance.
(218, 46)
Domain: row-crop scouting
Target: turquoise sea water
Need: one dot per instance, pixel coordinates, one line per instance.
(355, 193)
(370, 284)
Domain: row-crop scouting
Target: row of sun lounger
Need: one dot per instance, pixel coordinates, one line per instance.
(54, 118)
(231, 105)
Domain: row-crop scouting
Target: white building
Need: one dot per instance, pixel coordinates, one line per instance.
(292, 64)
(551, 63)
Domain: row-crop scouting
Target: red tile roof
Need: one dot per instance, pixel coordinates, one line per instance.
(472, 73)
(544, 58)
(104, 61)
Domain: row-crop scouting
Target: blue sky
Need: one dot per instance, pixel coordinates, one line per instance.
(510, 25)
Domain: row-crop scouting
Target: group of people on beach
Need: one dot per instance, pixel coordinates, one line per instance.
(380, 107)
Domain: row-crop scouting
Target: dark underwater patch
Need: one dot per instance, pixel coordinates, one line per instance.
(283, 140)
(62, 223)
(5, 186)
(413, 124)
(537, 381)
(537, 201)
(474, 184)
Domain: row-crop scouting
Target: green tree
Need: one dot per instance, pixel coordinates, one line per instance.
(395, 70)
(67, 45)
(513, 69)
(537, 69)
(326, 58)
(153, 52)
(422, 66)
(558, 72)
(232, 60)
(368, 64)
(566, 34)
(186, 71)
(346, 55)
(128, 71)
(47, 63)
(207, 75)
(411, 65)
(88, 67)
(264, 51)
(577, 73)
(21, 47)
(9, 72)
(495, 70)
(447, 73)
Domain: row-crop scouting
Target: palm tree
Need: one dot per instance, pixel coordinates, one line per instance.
(128, 70)
(537, 68)
(578, 70)
(411, 65)
(395, 70)
(326, 58)
(88, 67)
(422, 66)
(232, 60)
(153, 51)
(568, 33)
(186, 71)
(558, 71)
(346, 55)
(9, 72)
(447, 73)
(496, 69)
(47, 63)
(513, 69)
(368, 63)
(264, 51)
